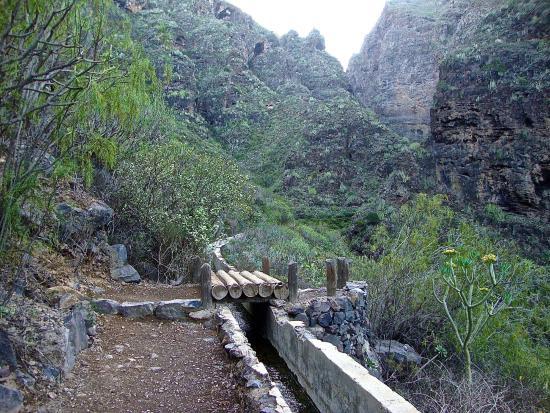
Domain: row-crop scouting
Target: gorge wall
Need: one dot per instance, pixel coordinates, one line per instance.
(470, 81)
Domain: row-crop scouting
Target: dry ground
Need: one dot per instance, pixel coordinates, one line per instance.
(150, 365)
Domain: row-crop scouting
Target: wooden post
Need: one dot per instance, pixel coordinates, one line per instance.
(206, 286)
(265, 265)
(331, 278)
(195, 268)
(342, 272)
(293, 281)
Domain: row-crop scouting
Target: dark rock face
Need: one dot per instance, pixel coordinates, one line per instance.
(7, 353)
(11, 400)
(491, 138)
(490, 130)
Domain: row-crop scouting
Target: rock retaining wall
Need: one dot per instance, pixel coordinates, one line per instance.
(261, 395)
(341, 321)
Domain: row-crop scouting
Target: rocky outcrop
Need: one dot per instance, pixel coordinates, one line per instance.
(397, 69)
(120, 269)
(490, 123)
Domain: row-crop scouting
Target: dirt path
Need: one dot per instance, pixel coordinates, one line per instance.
(150, 366)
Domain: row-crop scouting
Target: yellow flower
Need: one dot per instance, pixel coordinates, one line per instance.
(449, 251)
(489, 258)
(483, 289)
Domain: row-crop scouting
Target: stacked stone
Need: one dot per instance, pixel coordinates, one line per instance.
(341, 321)
(261, 395)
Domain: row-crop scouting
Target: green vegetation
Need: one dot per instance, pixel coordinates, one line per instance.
(477, 290)
(176, 200)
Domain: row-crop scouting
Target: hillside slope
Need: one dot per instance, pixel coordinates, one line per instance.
(281, 106)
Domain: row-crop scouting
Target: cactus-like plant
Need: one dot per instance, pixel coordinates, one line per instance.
(481, 293)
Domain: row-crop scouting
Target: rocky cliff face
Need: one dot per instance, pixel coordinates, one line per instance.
(490, 121)
(397, 69)
(470, 80)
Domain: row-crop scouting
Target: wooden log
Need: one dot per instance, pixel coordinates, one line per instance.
(265, 265)
(342, 272)
(235, 290)
(264, 289)
(280, 289)
(219, 290)
(250, 289)
(293, 281)
(206, 286)
(331, 278)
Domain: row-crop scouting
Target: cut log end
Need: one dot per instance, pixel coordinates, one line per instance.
(281, 292)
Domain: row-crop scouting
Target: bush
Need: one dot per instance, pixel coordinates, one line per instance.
(309, 246)
(175, 199)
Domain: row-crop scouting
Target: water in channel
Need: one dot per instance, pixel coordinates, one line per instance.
(280, 374)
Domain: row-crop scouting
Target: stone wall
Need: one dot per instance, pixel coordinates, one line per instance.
(341, 321)
(261, 394)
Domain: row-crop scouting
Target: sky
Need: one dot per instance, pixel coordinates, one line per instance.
(343, 23)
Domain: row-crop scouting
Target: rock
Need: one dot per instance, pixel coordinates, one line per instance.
(202, 315)
(100, 213)
(118, 255)
(69, 295)
(68, 301)
(104, 306)
(92, 331)
(357, 298)
(334, 340)
(339, 317)
(325, 319)
(302, 317)
(178, 281)
(401, 353)
(295, 310)
(25, 380)
(51, 373)
(332, 329)
(7, 353)
(172, 310)
(137, 310)
(344, 304)
(11, 400)
(277, 303)
(127, 273)
(77, 337)
(320, 306)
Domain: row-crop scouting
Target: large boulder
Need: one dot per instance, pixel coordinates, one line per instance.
(401, 353)
(11, 400)
(100, 213)
(104, 306)
(126, 273)
(118, 255)
(137, 310)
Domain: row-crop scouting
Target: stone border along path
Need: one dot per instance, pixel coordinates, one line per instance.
(165, 310)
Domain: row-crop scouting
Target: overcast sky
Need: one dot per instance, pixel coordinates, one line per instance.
(343, 23)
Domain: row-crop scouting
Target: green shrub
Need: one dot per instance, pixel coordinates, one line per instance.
(177, 198)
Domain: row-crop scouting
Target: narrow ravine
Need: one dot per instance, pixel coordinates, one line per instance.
(280, 374)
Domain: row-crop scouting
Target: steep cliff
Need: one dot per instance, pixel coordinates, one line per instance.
(397, 69)
(470, 80)
(490, 121)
